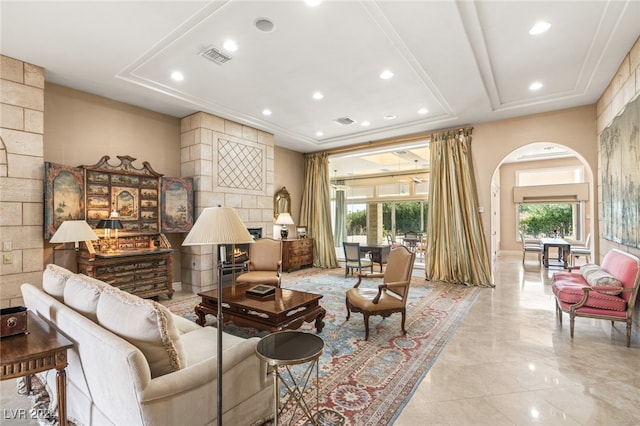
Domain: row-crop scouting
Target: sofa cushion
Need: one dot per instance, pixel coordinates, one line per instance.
(147, 325)
(81, 293)
(596, 276)
(54, 279)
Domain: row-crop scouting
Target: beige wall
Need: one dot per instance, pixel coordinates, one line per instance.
(289, 172)
(507, 178)
(573, 128)
(81, 128)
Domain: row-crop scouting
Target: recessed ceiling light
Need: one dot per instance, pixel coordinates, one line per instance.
(313, 3)
(539, 28)
(177, 76)
(318, 134)
(265, 25)
(230, 45)
(318, 95)
(386, 75)
(266, 111)
(536, 85)
(365, 124)
(389, 117)
(423, 111)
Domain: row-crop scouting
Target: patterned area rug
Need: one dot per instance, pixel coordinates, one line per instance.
(368, 382)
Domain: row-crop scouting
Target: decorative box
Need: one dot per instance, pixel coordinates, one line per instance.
(14, 321)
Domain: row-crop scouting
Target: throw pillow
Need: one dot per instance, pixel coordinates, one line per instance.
(81, 293)
(54, 279)
(145, 324)
(596, 276)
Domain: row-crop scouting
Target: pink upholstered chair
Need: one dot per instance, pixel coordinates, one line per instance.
(390, 296)
(577, 297)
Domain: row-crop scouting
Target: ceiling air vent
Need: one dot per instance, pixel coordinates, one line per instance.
(344, 121)
(215, 55)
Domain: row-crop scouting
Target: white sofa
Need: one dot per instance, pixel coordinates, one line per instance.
(135, 363)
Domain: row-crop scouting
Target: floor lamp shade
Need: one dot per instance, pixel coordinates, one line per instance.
(73, 231)
(218, 225)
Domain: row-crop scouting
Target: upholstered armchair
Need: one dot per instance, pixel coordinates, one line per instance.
(390, 296)
(353, 260)
(265, 263)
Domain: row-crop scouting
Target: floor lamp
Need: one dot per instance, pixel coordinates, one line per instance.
(218, 225)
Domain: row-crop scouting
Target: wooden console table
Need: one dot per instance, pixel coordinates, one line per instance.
(297, 253)
(42, 348)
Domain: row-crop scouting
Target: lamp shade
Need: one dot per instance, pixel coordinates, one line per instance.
(218, 225)
(109, 224)
(284, 219)
(72, 231)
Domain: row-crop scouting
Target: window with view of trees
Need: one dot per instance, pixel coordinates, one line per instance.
(549, 219)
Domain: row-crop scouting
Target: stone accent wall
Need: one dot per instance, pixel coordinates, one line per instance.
(21, 177)
(232, 166)
(624, 87)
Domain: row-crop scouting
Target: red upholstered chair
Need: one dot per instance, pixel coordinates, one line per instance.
(390, 296)
(592, 293)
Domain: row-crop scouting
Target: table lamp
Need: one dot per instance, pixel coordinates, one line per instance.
(108, 225)
(218, 225)
(284, 219)
(72, 231)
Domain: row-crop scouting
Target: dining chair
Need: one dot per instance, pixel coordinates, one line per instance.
(576, 251)
(529, 246)
(353, 259)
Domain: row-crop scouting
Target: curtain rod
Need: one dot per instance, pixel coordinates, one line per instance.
(391, 141)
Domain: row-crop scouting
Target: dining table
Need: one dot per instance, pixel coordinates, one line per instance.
(564, 249)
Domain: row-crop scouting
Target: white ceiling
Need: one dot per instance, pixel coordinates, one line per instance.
(467, 62)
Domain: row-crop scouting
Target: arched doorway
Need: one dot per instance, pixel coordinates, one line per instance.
(542, 165)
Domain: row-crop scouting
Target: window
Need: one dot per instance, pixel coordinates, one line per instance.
(550, 219)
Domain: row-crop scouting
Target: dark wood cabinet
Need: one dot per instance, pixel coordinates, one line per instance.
(297, 253)
(144, 272)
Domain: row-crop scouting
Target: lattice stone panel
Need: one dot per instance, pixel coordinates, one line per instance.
(240, 166)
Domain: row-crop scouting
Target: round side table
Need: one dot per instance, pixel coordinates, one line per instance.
(284, 349)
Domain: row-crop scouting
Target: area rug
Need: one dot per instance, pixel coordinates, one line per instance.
(368, 382)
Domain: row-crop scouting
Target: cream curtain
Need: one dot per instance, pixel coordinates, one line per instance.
(316, 209)
(456, 249)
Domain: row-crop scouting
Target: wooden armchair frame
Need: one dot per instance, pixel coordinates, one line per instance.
(391, 296)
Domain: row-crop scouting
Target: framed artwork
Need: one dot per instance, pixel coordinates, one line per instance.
(177, 213)
(619, 159)
(63, 196)
(301, 231)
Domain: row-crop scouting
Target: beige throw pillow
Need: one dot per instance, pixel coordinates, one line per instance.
(81, 293)
(54, 279)
(596, 276)
(145, 324)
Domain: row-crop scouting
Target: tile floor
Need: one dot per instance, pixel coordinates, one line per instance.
(511, 363)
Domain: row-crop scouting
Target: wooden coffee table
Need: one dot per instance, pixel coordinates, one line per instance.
(286, 310)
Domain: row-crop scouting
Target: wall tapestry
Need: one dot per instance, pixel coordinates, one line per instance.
(63, 196)
(177, 204)
(620, 162)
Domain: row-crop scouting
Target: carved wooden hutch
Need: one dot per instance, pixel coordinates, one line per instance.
(136, 258)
